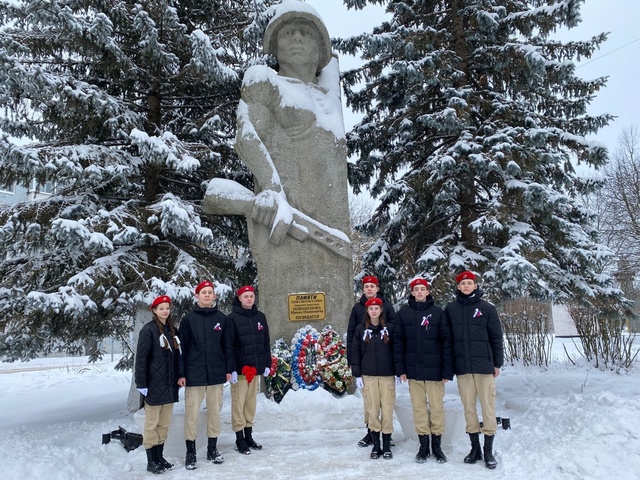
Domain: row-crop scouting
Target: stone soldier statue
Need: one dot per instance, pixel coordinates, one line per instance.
(291, 136)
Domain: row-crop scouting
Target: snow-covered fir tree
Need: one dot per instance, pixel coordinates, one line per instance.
(474, 120)
(128, 107)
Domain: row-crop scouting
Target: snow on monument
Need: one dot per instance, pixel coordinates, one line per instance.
(291, 136)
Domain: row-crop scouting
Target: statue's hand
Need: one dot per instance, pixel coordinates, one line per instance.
(264, 209)
(271, 209)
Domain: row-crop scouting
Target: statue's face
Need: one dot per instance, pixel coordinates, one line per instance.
(298, 44)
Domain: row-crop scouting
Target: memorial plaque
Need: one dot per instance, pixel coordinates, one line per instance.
(307, 307)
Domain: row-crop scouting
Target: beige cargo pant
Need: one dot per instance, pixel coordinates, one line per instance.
(193, 397)
(473, 387)
(156, 424)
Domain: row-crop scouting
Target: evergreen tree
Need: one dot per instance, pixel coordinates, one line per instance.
(473, 121)
(129, 108)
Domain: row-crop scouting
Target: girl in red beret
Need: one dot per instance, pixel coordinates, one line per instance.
(377, 359)
(156, 377)
(370, 289)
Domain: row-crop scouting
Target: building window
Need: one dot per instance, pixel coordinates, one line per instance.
(48, 187)
(40, 191)
(4, 188)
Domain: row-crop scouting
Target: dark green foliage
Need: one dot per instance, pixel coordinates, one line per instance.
(474, 120)
(129, 108)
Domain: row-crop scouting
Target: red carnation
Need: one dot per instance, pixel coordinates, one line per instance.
(249, 372)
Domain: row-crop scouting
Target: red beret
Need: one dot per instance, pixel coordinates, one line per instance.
(373, 301)
(246, 288)
(418, 281)
(370, 279)
(467, 275)
(204, 284)
(159, 300)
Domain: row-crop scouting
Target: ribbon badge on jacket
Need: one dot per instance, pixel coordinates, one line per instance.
(217, 327)
(164, 342)
(260, 327)
(367, 334)
(477, 313)
(425, 321)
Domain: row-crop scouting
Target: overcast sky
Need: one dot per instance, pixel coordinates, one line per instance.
(618, 58)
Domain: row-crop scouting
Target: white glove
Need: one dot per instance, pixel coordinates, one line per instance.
(234, 377)
(143, 391)
(359, 382)
(398, 381)
(267, 371)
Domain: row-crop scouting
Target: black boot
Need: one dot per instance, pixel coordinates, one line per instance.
(489, 459)
(386, 446)
(190, 459)
(436, 441)
(423, 453)
(366, 440)
(476, 452)
(241, 444)
(251, 443)
(212, 451)
(152, 460)
(161, 460)
(376, 452)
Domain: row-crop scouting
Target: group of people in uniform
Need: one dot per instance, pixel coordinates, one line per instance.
(421, 344)
(424, 345)
(209, 350)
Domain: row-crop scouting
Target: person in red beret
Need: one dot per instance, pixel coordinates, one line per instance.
(376, 361)
(204, 369)
(252, 359)
(370, 289)
(478, 356)
(428, 358)
(156, 375)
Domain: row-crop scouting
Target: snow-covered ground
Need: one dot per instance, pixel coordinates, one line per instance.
(568, 422)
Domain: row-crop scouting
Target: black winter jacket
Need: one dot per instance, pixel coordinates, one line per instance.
(375, 357)
(477, 335)
(428, 348)
(358, 313)
(156, 368)
(206, 347)
(250, 338)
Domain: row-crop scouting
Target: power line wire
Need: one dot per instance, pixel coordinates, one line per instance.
(608, 53)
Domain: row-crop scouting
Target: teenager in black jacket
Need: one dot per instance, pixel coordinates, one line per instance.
(376, 361)
(429, 365)
(205, 367)
(478, 356)
(156, 378)
(252, 357)
(370, 289)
